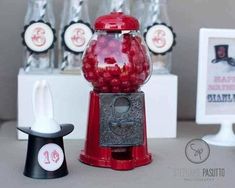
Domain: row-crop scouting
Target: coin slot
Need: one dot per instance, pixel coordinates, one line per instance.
(122, 105)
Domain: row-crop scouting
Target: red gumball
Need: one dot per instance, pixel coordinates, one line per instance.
(124, 76)
(125, 47)
(114, 70)
(115, 82)
(107, 76)
(104, 89)
(100, 71)
(128, 68)
(116, 65)
(87, 67)
(139, 68)
(110, 60)
(116, 89)
(99, 82)
(90, 76)
(126, 84)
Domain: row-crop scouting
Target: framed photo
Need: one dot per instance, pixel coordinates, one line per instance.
(216, 76)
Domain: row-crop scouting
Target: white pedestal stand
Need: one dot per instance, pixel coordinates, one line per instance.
(161, 93)
(225, 136)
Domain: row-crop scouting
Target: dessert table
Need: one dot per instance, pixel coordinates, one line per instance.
(170, 167)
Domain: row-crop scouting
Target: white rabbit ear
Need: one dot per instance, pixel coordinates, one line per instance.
(42, 100)
(43, 109)
(37, 99)
(47, 102)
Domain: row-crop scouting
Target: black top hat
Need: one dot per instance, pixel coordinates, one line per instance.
(65, 130)
(221, 53)
(45, 156)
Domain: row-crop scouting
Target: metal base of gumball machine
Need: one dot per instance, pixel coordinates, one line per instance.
(102, 149)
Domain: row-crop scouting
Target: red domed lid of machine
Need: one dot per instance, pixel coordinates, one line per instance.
(116, 21)
(116, 59)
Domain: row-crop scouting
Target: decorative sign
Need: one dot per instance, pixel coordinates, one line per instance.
(76, 36)
(160, 38)
(50, 157)
(221, 78)
(216, 84)
(216, 76)
(39, 37)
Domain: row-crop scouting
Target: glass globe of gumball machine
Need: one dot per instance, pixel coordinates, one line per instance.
(116, 63)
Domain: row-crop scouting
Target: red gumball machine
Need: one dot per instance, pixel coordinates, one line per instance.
(116, 63)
